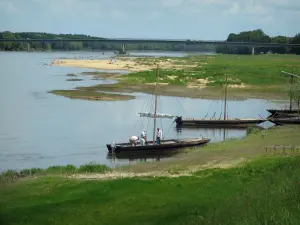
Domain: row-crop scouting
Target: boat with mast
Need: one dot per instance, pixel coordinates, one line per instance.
(165, 145)
(218, 123)
(285, 113)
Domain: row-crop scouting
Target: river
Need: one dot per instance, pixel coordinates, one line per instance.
(39, 129)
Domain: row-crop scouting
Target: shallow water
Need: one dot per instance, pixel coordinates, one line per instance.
(39, 129)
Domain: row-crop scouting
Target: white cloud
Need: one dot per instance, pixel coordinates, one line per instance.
(9, 6)
(227, 15)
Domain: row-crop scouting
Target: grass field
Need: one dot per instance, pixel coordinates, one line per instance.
(262, 190)
(258, 70)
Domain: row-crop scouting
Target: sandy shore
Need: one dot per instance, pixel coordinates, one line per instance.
(105, 64)
(125, 63)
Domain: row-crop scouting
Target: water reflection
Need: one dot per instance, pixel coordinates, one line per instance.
(141, 156)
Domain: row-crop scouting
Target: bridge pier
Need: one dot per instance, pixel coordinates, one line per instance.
(253, 50)
(28, 47)
(123, 48)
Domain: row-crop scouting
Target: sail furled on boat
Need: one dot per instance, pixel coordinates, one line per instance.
(158, 115)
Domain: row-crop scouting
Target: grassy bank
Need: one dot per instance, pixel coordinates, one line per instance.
(203, 76)
(262, 192)
(264, 189)
(12, 175)
(258, 70)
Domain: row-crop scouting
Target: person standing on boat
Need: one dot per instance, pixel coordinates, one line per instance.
(133, 140)
(158, 136)
(143, 137)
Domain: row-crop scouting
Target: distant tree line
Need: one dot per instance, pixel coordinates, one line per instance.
(261, 37)
(86, 45)
(246, 36)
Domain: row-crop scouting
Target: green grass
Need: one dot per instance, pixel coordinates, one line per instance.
(262, 192)
(258, 70)
(11, 175)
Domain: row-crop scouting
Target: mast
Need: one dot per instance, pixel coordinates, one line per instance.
(225, 97)
(291, 95)
(155, 108)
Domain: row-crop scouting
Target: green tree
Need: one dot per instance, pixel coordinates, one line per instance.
(296, 40)
(282, 40)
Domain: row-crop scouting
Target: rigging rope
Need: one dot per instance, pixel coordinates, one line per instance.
(181, 105)
(167, 133)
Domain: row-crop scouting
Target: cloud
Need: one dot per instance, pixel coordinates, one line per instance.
(117, 17)
(8, 6)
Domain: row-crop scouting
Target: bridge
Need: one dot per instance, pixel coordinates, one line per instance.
(124, 41)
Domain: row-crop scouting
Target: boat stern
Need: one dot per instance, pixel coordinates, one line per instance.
(178, 120)
(109, 147)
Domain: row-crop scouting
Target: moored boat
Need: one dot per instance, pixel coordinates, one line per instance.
(165, 145)
(228, 123)
(217, 123)
(285, 121)
(283, 113)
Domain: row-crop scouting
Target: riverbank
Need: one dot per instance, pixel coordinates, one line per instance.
(222, 154)
(197, 76)
(253, 186)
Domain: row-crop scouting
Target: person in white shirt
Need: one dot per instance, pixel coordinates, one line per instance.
(133, 140)
(158, 136)
(143, 137)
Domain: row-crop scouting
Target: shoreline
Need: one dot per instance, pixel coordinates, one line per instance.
(226, 154)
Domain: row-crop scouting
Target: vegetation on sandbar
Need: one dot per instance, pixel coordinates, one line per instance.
(258, 70)
(74, 79)
(91, 95)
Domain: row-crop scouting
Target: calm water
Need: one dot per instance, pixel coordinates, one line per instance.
(39, 129)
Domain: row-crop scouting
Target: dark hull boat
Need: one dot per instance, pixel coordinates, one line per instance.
(285, 121)
(273, 111)
(217, 123)
(282, 113)
(165, 145)
(229, 123)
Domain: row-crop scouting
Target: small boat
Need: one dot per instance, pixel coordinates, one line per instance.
(165, 145)
(285, 121)
(286, 113)
(217, 123)
(228, 123)
(276, 113)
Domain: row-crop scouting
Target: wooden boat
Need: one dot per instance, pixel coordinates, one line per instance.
(286, 113)
(228, 123)
(283, 113)
(165, 145)
(217, 123)
(285, 121)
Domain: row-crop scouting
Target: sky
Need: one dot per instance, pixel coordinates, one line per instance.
(172, 19)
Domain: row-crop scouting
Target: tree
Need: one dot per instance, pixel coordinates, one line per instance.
(253, 36)
(296, 40)
(282, 40)
(294, 92)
